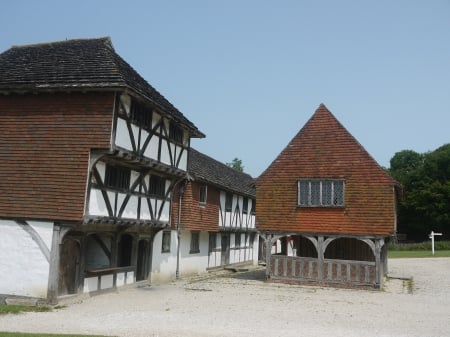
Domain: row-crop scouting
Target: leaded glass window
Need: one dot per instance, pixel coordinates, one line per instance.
(320, 193)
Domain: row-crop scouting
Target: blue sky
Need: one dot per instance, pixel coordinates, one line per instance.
(250, 73)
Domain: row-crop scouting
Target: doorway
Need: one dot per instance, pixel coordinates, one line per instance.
(69, 267)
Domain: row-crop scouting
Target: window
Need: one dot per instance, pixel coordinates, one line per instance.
(245, 205)
(203, 191)
(117, 177)
(252, 211)
(165, 247)
(228, 202)
(237, 240)
(195, 245)
(157, 186)
(252, 239)
(141, 115)
(323, 193)
(175, 133)
(212, 242)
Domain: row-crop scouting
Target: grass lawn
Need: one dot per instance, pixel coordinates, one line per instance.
(417, 253)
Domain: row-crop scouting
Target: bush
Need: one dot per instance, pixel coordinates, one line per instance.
(438, 245)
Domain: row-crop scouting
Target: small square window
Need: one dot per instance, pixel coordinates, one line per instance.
(165, 248)
(157, 186)
(175, 133)
(117, 177)
(195, 244)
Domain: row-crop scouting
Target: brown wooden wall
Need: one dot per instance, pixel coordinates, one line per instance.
(193, 215)
(45, 140)
(324, 149)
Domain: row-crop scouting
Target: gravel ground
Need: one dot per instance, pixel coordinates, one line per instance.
(243, 304)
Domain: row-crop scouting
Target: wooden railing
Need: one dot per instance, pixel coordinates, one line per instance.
(302, 269)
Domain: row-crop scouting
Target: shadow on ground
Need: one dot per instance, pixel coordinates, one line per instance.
(253, 275)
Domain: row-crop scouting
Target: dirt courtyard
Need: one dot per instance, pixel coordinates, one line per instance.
(245, 305)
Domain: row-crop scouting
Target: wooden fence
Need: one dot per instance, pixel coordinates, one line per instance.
(305, 269)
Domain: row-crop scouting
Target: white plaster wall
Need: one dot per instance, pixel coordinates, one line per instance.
(164, 264)
(122, 135)
(97, 204)
(193, 263)
(24, 268)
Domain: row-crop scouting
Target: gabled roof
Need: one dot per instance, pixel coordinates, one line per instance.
(80, 64)
(326, 144)
(209, 170)
(323, 149)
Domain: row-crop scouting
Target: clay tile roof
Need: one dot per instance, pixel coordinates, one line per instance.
(78, 64)
(209, 170)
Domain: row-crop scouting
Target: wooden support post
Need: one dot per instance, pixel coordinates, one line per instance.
(268, 244)
(53, 276)
(378, 273)
(320, 255)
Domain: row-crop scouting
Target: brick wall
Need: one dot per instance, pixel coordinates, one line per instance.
(45, 140)
(193, 215)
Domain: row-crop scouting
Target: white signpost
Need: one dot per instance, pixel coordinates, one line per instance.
(431, 236)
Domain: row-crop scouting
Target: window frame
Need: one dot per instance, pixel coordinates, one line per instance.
(157, 187)
(245, 205)
(141, 115)
(203, 194)
(321, 193)
(195, 242)
(228, 202)
(164, 236)
(176, 133)
(237, 240)
(117, 177)
(212, 241)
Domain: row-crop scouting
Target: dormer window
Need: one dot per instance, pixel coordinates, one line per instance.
(320, 193)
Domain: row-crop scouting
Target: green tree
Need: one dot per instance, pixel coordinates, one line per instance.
(236, 163)
(426, 184)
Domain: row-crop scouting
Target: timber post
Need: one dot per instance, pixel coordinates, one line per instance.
(53, 276)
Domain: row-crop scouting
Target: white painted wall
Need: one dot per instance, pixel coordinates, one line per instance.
(164, 264)
(24, 269)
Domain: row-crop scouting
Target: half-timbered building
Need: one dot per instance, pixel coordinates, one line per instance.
(215, 225)
(328, 206)
(89, 157)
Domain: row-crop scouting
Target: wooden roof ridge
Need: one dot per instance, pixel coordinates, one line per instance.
(323, 113)
(207, 169)
(78, 64)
